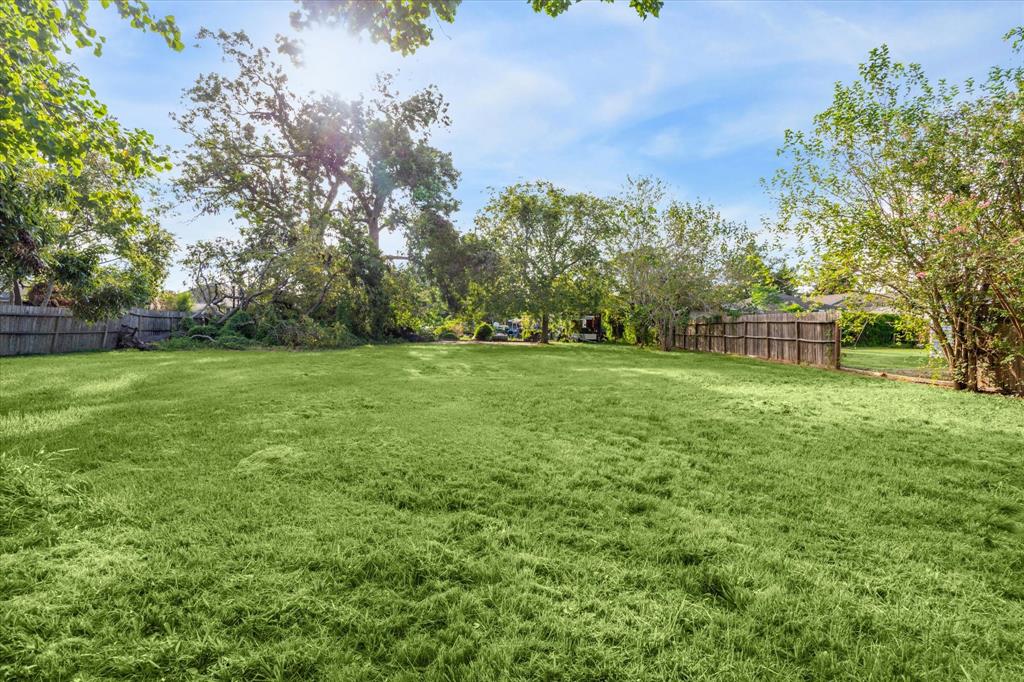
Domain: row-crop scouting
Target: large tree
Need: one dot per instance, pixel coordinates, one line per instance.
(551, 245)
(312, 181)
(671, 258)
(404, 25)
(915, 190)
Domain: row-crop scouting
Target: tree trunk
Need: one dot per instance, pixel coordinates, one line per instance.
(544, 328)
(16, 292)
(666, 335)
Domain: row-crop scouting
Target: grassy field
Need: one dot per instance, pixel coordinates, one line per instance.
(886, 359)
(485, 512)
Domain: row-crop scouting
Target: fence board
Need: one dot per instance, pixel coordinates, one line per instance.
(26, 330)
(809, 338)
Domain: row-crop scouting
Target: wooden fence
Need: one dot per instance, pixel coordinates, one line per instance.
(810, 338)
(27, 329)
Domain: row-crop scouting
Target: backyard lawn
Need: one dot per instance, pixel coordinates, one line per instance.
(889, 359)
(458, 512)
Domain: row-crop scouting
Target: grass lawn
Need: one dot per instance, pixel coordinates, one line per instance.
(486, 512)
(889, 359)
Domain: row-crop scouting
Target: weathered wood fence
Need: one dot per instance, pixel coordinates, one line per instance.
(808, 338)
(27, 329)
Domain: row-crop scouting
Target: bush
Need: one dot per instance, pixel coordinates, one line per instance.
(864, 329)
(183, 302)
(447, 335)
(483, 332)
(452, 326)
(241, 324)
(210, 330)
(531, 335)
(426, 334)
(234, 342)
(304, 332)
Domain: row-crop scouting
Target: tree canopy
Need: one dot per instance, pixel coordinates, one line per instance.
(48, 110)
(404, 24)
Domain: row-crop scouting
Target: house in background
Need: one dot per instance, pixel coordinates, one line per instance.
(871, 303)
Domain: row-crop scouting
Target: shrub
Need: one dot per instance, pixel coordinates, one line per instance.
(304, 332)
(447, 335)
(483, 332)
(183, 302)
(234, 342)
(241, 324)
(452, 326)
(210, 330)
(531, 335)
(860, 328)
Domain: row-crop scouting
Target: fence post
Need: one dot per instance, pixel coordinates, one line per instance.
(837, 348)
(56, 331)
(797, 323)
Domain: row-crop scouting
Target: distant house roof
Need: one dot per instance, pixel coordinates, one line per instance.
(874, 303)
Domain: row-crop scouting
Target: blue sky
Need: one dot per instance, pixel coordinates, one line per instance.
(699, 97)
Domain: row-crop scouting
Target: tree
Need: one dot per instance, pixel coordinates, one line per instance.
(670, 259)
(690, 272)
(23, 227)
(403, 24)
(550, 245)
(448, 260)
(313, 182)
(85, 240)
(636, 254)
(914, 190)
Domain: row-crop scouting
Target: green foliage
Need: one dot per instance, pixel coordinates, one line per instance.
(48, 110)
(670, 258)
(304, 332)
(211, 330)
(865, 329)
(447, 335)
(405, 25)
(492, 512)
(180, 301)
(241, 324)
(484, 332)
(451, 327)
(73, 220)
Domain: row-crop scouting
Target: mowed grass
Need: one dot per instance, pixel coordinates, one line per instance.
(886, 359)
(470, 512)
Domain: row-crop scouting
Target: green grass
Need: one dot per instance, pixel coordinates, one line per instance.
(886, 359)
(486, 512)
